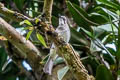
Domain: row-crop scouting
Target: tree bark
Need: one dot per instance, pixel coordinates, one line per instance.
(47, 9)
(27, 50)
(12, 14)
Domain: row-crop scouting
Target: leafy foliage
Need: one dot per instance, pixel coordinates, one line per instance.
(41, 39)
(62, 72)
(3, 57)
(94, 25)
(103, 73)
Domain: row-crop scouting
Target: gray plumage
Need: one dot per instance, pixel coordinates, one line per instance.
(63, 31)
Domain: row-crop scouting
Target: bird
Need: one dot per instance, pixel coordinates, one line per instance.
(63, 31)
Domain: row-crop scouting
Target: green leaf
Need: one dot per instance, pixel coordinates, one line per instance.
(102, 46)
(41, 39)
(103, 73)
(118, 72)
(19, 4)
(110, 13)
(99, 32)
(3, 57)
(98, 18)
(61, 73)
(109, 39)
(58, 60)
(108, 59)
(93, 62)
(22, 78)
(28, 28)
(111, 4)
(21, 23)
(108, 27)
(44, 60)
(88, 33)
(75, 1)
(28, 34)
(118, 43)
(36, 21)
(10, 72)
(77, 38)
(11, 78)
(26, 22)
(118, 12)
(80, 16)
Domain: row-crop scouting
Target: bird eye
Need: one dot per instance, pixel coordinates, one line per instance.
(63, 19)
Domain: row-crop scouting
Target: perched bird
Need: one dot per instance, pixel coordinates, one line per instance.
(64, 32)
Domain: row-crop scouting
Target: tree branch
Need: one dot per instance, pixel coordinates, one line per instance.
(72, 59)
(12, 14)
(68, 53)
(27, 50)
(47, 9)
(14, 54)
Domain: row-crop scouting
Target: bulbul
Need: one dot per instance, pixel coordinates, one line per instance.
(63, 31)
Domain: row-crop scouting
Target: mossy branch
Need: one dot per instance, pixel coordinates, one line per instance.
(47, 10)
(68, 53)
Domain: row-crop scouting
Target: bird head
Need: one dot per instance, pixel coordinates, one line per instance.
(62, 20)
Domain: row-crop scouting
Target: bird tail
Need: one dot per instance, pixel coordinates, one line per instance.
(49, 65)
